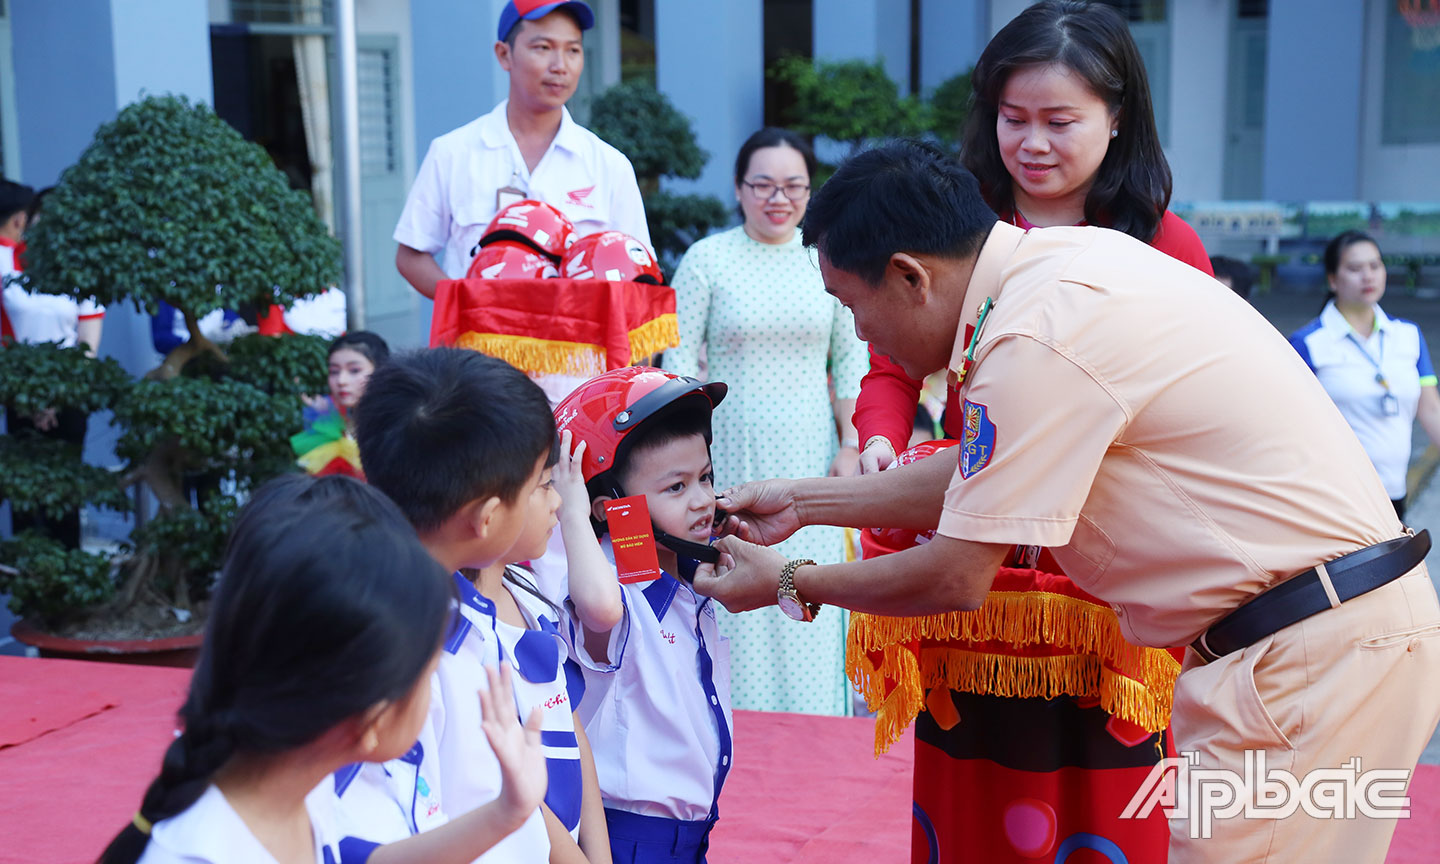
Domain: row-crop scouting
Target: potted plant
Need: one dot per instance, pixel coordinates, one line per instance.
(167, 204)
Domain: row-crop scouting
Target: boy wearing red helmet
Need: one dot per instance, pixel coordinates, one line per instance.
(657, 685)
(527, 147)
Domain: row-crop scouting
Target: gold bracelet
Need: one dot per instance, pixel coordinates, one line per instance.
(873, 438)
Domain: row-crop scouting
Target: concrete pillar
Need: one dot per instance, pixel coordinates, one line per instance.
(1312, 100)
(1198, 71)
(952, 35)
(865, 30)
(455, 76)
(710, 62)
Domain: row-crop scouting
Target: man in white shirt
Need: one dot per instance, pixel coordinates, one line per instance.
(528, 146)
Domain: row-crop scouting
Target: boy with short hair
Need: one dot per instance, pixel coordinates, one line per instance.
(657, 685)
(461, 442)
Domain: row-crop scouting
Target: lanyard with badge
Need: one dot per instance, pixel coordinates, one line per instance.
(1388, 403)
(510, 192)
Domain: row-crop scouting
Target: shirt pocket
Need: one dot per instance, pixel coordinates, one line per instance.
(469, 220)
(1088, 554)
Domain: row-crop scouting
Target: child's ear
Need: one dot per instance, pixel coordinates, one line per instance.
(597, 507)
(482, 515)
(364, 732)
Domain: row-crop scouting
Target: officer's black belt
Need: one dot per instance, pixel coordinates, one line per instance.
(1301, 596)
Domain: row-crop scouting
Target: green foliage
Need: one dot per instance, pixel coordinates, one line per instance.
(289, 365)
(170, 203)
(641, 122)
(44, 375)
(850, 101)
(193, 539)
(209, 425)
(677, 221)
(51, 580)
(950, 108)
(48, 476)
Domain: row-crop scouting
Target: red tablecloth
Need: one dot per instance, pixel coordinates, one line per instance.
(804, 789)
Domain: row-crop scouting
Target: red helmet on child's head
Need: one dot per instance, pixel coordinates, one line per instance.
(508, 259)
(611, 255)
(603, 411)
(533, 223)
(883, 541)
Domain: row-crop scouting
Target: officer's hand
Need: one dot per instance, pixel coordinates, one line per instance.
(761, 511)
(747, 577)
(877, 456)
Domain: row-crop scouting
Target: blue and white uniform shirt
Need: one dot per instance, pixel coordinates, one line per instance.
(457, 759)
(658, 712)
(382, 802)
(211, 832)
(537, 658)
(1374, 380)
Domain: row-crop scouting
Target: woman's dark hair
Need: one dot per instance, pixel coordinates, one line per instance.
(1132, 185)
(772, 136)
(364, 342)
(301, 635)
(1335, 249)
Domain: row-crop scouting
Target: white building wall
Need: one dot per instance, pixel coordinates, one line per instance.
(1198, 66)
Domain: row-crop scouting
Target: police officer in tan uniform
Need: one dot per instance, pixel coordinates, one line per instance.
(1144, 423)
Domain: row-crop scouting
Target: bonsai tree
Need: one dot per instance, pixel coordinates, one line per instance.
(642, 123)
(168, 204)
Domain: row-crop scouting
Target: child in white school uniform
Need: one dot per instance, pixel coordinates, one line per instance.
(657, 685)
(527, 625)
(315, 655)
(463, 443)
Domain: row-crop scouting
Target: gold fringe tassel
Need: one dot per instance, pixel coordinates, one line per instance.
(894, 711)
(538, 356)
(654, 336)
(1133, 683)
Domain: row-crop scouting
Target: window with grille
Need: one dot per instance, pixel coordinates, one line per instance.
(375, 93)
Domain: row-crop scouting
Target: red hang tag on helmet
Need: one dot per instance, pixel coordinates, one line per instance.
(632, 539)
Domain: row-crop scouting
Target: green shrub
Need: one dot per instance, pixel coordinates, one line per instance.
(168, 203)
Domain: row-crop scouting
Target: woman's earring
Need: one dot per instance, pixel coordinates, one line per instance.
(1114, 133)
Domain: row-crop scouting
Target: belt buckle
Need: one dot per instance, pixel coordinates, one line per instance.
(1202, 648)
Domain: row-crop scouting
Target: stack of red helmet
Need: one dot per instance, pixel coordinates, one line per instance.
(533, 240)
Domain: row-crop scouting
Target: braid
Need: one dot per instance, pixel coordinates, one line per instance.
(185, 774)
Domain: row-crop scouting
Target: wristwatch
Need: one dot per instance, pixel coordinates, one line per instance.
(790, 602)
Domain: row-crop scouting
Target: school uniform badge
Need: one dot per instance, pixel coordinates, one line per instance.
(977, 444)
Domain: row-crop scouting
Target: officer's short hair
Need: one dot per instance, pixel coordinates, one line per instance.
(14, 198)
(903, 196)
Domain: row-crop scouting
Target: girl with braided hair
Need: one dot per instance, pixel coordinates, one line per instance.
(317, 656)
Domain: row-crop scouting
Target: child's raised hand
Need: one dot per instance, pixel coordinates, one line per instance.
(567, 477)
(523, 773)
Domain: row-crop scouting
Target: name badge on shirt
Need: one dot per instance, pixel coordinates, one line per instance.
(632, 539)
(1390, 405)
(507, 195)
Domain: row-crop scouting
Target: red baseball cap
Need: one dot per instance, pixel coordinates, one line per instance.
(531, 10)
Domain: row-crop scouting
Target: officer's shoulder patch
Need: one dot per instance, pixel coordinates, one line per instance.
(977, 444)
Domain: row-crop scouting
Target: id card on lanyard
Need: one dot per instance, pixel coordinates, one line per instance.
(1389, 404)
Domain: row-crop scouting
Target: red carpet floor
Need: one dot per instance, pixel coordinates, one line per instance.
(79, 741)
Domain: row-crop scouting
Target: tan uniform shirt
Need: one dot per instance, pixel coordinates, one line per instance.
(1141, 420)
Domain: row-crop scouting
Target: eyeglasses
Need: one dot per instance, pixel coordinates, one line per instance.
(765, 190)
